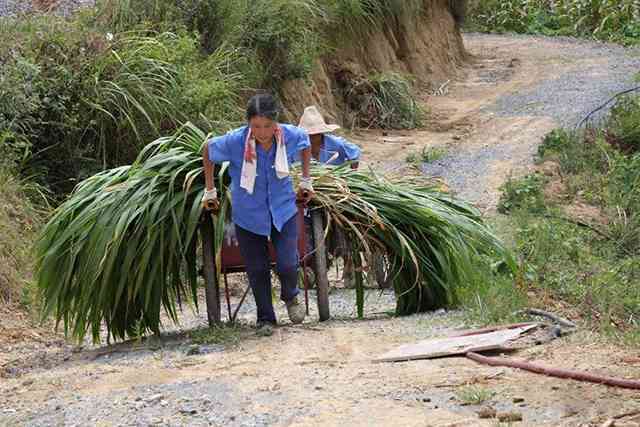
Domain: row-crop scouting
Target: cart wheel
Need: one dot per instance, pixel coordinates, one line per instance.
(320, 264)
(212, 289)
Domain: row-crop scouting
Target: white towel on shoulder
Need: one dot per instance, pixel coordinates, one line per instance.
(250, 161)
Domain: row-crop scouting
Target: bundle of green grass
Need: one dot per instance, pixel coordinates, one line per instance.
(123, 245)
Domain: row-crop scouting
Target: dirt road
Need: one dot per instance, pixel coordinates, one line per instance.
(490, 121)
(499, 108)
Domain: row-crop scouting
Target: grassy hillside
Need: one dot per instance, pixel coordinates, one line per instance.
(81, 95)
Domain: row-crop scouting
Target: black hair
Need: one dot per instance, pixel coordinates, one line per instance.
(263, 105)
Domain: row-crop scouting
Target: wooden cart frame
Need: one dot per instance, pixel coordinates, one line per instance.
(316, 259)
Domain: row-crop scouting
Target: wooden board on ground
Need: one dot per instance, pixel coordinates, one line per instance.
(452, 346)
(467, 332)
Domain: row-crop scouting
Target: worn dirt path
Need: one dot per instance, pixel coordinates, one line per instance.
(499, 108)
(495, 114)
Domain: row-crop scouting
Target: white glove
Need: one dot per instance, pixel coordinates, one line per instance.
(305, 184)
(210, 199)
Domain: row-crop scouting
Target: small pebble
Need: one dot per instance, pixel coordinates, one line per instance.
(509, 417)
(486, 412)
(155, 398)
(194, 350)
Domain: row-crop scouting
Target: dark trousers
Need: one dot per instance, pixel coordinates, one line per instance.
(255, 252)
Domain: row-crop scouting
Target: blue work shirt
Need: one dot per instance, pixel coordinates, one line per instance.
(273, 200)
(332, 144)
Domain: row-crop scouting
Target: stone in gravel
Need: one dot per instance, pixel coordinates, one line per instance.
(154, 342)
(155, 398)
(164, 403)
(186, 410)
(518, 399)
(426, 400)
(194, 350)
(487, 412)
(509, 417)
(27, 382)
(569, 411)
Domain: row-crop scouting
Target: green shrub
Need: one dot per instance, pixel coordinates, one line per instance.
(623, 197)
(19, 221)
(490, 297)
(523, 193)
(577, 153)
(426, 155)
(576, 265)
(74, 101)
(623, 125)
(386, 101)
(611, 20)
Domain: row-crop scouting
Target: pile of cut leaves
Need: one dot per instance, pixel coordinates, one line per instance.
(122, 247)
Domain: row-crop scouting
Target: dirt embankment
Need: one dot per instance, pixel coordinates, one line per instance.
(428, 47)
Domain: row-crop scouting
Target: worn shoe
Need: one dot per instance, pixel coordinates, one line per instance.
(264, 329)
(296, 311)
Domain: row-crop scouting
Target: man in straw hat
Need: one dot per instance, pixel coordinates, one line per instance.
(330, 150)
(327, 148)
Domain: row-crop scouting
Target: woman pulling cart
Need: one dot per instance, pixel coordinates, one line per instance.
(264, 201)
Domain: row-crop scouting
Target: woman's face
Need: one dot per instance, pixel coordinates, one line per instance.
(263, 128)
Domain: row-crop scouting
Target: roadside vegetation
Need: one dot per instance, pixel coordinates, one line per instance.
(576, 229)
(607, 20)
(85, 94)
(19, 222)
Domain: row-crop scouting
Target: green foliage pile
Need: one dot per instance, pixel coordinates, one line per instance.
(123, 245)
(608, 20)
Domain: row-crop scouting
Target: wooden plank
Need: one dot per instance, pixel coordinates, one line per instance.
(467, 332)
(452, 346)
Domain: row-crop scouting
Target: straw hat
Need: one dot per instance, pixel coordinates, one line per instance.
(313, 122)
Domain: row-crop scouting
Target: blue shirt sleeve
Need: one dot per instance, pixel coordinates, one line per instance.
(219, 149)
(296, 140)
(303, 140)
(335, 144)
(351, 151)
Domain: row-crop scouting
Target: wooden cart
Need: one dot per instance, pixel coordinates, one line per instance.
(311, 248)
